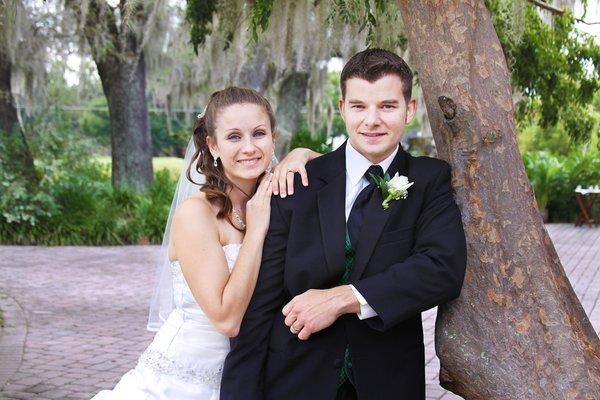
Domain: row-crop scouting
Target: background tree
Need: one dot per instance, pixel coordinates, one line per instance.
(117, 36)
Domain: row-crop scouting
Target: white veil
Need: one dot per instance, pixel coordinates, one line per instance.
(161, 304)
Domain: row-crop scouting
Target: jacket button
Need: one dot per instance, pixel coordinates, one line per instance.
(337, 363)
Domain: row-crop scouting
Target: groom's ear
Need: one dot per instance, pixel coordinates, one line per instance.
(411, 110)
(341, 105)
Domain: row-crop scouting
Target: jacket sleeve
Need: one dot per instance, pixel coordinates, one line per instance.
(244, 366)
(433, 273)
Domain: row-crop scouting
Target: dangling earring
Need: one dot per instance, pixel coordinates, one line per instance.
(215, 163)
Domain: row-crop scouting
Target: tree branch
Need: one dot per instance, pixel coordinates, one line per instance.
(558, 11)
(587, 23)
(548, 7)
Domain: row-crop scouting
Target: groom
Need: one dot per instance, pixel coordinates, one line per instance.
(337, 309)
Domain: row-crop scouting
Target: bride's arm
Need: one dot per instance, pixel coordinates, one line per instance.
(222, 296)
(294, 162)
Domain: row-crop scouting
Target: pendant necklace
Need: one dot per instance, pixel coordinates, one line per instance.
(238, 219)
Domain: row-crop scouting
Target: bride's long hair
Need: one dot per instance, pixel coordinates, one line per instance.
(217, 185)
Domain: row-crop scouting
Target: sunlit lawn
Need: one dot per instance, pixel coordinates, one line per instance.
(172, 164)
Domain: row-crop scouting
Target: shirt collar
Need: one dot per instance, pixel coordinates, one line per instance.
(357, 164)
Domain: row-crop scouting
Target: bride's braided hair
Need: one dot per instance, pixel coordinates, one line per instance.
(217, 185)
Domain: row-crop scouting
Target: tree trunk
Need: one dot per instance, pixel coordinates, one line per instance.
(20, 156)
(291, 99)
(117, 44)
(257, 72)
(517, 331)
(124, 85)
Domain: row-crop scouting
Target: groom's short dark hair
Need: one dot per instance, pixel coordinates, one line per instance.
(373, 64)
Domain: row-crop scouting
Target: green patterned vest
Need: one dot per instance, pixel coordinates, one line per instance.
(348, 262)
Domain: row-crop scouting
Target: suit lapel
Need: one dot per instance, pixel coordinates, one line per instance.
(375, 218)
(331, 202)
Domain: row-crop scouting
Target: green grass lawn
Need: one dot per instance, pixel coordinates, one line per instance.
(172, 164)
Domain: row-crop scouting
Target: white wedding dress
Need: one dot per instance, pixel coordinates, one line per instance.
(185, 359)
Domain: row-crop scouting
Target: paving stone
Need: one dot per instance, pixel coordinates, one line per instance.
(76, 319)
(56, 394)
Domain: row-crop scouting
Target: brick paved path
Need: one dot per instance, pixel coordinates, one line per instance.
(75, 316)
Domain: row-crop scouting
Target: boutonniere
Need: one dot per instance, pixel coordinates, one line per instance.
(395, 188)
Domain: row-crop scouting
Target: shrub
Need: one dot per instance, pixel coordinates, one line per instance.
(86, 211)
(153, 208)
(554, 179)
(74, 202)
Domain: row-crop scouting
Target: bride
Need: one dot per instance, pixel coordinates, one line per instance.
(212, 248)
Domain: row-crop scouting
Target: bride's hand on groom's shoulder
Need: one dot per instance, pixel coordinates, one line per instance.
(283, 173)
(258, 208)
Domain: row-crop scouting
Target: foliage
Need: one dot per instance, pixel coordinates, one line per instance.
(164, 141)
(86, 210)
(366, 14)
(380, 19)
(554, 66)
(199, 15)
(75, 202)
(303, 138)
(532, 137)
(171, 164)
(554, 179)
(95, 122)
(259, 16)
(552, 139)
(17, 204)
(543, 170)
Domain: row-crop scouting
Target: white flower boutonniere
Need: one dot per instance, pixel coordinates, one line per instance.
(395, 188)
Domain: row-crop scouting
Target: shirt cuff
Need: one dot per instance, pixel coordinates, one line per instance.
(365, 309)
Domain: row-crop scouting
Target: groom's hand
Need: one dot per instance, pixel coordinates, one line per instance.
(315, 310)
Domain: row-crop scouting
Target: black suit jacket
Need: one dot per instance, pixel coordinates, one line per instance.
(409, 258)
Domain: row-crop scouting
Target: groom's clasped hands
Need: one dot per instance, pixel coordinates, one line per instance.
(317, 309)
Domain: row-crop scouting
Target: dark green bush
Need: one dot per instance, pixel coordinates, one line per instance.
(84, 211)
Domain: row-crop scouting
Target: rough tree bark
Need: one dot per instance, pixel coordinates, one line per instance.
(9, 123)
(117, 52)
(291, 99)
(517, 331)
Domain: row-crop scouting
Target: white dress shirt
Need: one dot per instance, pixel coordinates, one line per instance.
(356, 167)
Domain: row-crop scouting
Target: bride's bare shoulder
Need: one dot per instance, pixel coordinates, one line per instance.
(195, 208)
